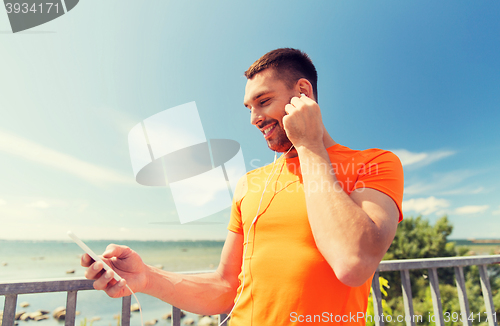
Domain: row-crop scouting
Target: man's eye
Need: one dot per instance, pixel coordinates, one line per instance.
(264, 102)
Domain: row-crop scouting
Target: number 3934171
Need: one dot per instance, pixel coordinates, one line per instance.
(479, 317)
(24, 8)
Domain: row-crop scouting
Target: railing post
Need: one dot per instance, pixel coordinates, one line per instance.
(462, 296)
(222, 317)
(488, 299)
(126, 303)
(377, 301)
(9, 310)
(69, 320)
(176, 316)
(407, 297)
(436, 297)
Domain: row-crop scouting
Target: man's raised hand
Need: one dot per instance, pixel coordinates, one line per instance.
(302, 123)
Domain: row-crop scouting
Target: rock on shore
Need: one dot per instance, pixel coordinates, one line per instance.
(188, 321)
(151, 322)
(207, 321)
(59, 313)
(134, 307)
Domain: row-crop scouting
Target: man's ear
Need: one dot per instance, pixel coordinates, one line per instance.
(303, 86)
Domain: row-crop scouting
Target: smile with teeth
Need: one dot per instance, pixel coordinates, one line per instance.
(268, 130)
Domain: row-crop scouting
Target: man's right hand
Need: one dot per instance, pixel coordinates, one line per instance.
(125, 262)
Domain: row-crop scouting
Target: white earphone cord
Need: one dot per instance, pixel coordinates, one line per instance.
(269, 178)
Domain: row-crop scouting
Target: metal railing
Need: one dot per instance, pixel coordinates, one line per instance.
(12, 290)
(432, 264)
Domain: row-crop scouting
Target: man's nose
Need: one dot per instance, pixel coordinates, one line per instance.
(256, 117)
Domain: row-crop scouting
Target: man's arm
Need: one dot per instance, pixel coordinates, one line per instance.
(351, 232)
(206, 294)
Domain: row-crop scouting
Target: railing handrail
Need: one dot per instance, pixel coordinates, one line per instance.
(76, 284)
(58, 285)
(439, 262)
(45, 286)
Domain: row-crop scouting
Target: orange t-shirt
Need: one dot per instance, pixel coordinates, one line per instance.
(287, 280)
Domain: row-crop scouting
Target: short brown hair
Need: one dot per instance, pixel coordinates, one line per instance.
(290, 66)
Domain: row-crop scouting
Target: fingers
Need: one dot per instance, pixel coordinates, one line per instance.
(289, 108)
(94, 271)
(86, 260)
(102, 281)
(296, 101)
(296, 104)
(118, 251)
(107, 283)
(117, 290)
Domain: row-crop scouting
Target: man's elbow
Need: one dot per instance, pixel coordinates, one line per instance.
(354, 272)
(229, 292)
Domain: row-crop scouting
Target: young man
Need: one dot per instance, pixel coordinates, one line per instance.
(306, 233)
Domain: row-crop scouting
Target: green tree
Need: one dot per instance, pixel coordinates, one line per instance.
(417, 238)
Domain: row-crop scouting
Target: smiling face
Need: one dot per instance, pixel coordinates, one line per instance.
(266, 97)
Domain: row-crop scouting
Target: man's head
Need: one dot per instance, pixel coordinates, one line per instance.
(272, 82)
(288, 65)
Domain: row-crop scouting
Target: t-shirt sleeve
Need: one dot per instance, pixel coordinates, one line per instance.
(385, 174)
(235, 221)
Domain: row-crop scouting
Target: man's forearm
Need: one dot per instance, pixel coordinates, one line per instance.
(206, 294)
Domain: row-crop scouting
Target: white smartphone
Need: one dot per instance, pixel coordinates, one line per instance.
(92, 254)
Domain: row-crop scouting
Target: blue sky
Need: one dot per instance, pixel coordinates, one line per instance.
(421, 78)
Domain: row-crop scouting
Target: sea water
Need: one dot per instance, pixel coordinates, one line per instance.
(23, 261)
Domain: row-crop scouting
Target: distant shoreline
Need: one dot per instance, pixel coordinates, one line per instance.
(113, 240)
(472, 241)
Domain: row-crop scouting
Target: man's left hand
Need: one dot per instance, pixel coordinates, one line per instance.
(302, 123)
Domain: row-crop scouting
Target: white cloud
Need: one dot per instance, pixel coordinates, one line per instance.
(497, 212)
(29, 150)
(39, 204)
(425, 206)
(440, 183)
(420, 159)
(464, 191)
(24, 210)
(471, 209)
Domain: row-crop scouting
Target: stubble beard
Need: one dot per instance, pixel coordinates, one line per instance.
(279, 142)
